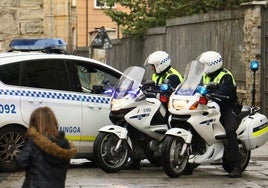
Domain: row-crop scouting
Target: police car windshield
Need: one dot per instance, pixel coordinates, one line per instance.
(192, 78)
(129, 82)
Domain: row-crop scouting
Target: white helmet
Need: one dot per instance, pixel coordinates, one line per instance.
(160, 60)
(212, 59)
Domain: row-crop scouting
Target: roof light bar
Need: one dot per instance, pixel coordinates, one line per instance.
(37, 44)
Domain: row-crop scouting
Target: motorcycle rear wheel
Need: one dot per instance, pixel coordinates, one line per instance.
(107, 158)
(173, 164)
(245, 157)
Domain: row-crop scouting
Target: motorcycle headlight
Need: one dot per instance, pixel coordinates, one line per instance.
(117, 104)
(178, 104)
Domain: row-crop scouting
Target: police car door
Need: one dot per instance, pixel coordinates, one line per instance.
(47, 82)
(94, 79)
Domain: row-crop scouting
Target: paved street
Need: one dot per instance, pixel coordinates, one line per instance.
(86, 175)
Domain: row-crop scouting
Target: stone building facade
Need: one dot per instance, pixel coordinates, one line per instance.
(252, 51)
(75, 21)
(37, 19)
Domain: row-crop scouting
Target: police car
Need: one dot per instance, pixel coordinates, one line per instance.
(72, 86)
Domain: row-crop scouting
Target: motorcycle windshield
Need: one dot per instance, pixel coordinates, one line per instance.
(129, 82)
(192, 78)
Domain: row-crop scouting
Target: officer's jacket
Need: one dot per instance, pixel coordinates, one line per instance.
(171, 74)
(227, 87)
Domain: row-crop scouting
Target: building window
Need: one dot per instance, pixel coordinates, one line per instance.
(103, 4)
(73, 3)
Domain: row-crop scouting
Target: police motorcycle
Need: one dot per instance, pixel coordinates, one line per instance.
(197, 135)
(139, 113)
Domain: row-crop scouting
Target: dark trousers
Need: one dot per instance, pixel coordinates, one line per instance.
(229, 121)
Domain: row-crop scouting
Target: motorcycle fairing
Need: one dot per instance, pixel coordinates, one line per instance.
(141, 118)
(121, 132)
(179, 132)
(213, 153)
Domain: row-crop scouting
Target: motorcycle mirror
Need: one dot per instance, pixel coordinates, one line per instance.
(254, 65)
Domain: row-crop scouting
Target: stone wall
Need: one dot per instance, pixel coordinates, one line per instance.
(252, 39)
(238, 36)
(20, 19)
(37, 19)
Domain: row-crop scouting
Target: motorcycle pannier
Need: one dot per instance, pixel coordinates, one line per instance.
(253, 131)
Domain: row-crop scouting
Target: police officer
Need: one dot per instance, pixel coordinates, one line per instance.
(161, 65)
(229, 107)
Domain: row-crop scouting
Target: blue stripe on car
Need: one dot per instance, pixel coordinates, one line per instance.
(53, 95)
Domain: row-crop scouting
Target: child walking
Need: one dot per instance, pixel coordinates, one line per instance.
(46, 154)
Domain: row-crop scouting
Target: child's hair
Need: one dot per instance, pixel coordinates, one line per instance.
(44, 121)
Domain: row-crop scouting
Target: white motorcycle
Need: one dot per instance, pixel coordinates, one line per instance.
(198, 136)
(139, 113)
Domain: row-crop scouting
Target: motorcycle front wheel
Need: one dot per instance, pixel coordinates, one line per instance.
(245, 157)
(107, 158)
(173, 163)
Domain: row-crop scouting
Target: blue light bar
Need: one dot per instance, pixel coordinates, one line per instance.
(37, 44)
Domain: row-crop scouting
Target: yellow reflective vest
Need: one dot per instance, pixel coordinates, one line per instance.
(217, 79)
(159, 78)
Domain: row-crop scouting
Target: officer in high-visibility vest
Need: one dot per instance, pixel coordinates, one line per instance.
(161, 65)
(229, 108)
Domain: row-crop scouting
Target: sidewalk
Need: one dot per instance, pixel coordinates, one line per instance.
(260, 153)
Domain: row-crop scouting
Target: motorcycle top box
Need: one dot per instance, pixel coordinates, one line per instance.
(254, 133)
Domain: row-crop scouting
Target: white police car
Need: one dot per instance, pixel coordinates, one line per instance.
(72, 86)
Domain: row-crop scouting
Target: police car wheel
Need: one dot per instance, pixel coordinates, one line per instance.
(11, 142)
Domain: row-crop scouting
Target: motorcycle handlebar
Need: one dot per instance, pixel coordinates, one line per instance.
(153, 91)
(217, 97)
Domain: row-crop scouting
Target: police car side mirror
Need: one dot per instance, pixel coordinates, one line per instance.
(97, 89)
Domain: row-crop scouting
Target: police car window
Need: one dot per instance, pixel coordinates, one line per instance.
(9, 74)
(95, 79)
(48, 74)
